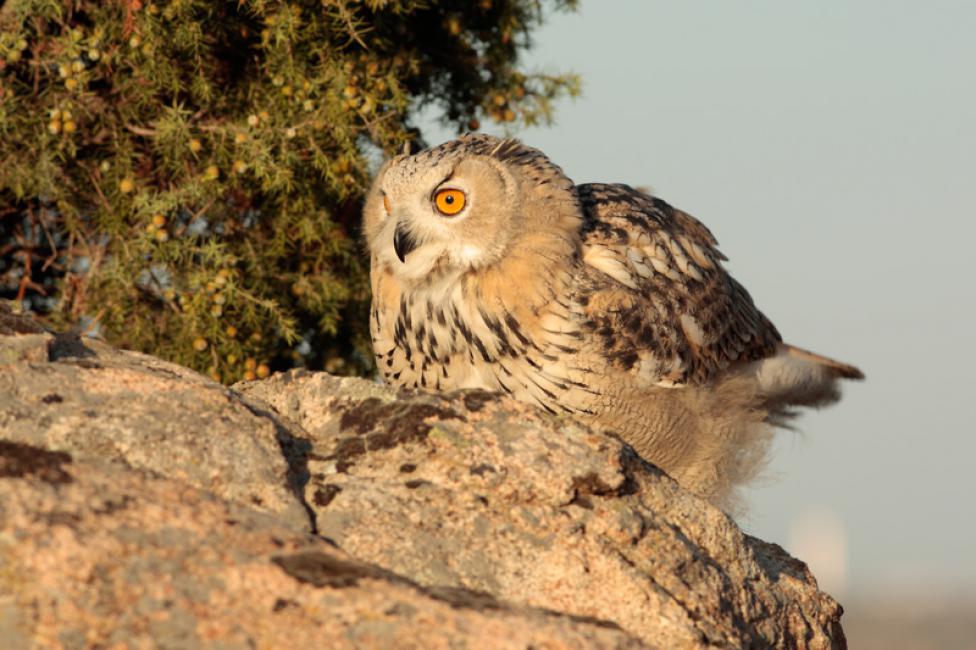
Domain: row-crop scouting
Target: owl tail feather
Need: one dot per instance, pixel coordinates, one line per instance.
(797, 377)
(838, 369)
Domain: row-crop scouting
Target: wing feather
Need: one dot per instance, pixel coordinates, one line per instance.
(670, 310)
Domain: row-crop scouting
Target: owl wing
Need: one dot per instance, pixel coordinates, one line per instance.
(673, 312)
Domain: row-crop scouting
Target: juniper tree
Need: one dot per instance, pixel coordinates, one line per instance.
(185, 177)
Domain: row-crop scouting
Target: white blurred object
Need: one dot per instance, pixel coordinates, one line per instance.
(818, 536)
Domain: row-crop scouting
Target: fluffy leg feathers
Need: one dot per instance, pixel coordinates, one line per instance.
(728, 437)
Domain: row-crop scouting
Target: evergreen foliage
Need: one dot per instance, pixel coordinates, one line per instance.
(185, 177)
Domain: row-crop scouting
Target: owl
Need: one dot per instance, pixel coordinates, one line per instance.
(491, 269)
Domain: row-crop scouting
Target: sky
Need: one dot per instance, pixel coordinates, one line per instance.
(831, 148)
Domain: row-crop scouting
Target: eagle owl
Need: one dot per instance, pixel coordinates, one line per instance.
(491, 269)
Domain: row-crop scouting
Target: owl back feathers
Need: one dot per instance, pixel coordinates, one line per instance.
(669, 316)
(675, 313)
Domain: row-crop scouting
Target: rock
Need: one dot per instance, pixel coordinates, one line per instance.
(486, 493)
(98, 555)
(83, 397)
(145, 502)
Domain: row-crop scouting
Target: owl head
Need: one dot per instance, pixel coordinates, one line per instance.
(465, 206)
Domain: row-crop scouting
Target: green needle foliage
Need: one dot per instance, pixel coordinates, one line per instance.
(186, 177)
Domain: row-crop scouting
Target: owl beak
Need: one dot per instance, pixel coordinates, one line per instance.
(403, 242)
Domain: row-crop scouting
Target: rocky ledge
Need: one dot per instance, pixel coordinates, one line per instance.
(144, 505)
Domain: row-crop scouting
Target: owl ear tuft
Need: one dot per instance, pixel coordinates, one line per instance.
(507, 149)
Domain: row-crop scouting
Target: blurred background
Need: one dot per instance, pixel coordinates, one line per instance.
(831, 148)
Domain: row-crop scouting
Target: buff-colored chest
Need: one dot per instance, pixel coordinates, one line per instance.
(498, 337)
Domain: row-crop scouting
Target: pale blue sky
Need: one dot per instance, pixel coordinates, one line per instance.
(831, 148)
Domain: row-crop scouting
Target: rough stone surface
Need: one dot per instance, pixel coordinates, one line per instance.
(83, 397)
(98, 556)
(489, 494)
(144, 505)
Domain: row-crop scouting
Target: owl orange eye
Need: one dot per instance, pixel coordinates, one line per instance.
(449, 202)
(386, 203)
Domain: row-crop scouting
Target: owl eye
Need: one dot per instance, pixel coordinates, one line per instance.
(449, 202)
(386, 204)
